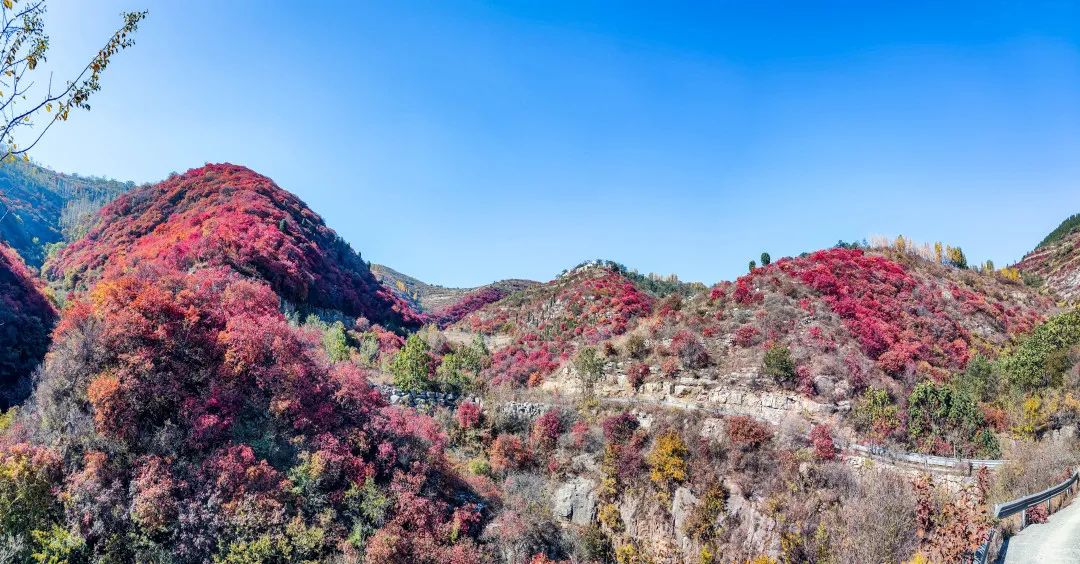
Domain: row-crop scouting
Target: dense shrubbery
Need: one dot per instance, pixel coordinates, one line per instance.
(230, 216)
(467, 304)
(593, 306)
(1040, 359)
(26, 318)
(227, 431)
(945, 421)
(895, 319)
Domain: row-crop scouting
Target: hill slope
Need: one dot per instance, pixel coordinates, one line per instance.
(847, 321)
(40, 206)
(1057, 260)
(227, 215)
(26, 318)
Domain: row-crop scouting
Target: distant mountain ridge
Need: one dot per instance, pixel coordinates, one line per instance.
(39, 206)
(432, 297)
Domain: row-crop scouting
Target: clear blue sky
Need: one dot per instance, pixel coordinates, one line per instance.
(462, 142)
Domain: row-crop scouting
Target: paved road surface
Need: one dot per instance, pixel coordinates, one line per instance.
(1057, 540)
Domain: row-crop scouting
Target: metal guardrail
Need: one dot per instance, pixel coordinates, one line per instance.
(1021, 505)
(959, 464)
(1015, 506)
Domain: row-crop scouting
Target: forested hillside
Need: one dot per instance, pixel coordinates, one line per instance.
(40, 207)
(26, 318)
(229, 381)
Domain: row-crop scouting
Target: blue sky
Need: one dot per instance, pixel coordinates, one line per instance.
(463, 142)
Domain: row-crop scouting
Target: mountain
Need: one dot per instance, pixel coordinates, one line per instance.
(432, 298)
(1057, 260)
(227, 215)
(40, 207)
(838, 322)
(26, 319)
(177, 388)
(189, 410)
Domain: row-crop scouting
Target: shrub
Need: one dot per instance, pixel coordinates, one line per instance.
(336, 342)
(821, 438)
(595, 545)
(979, 379)
(701, 525)
(508, 453)
(619, 428)
(468, 415)
(746, 432)
(689, 350)
(414, 365)
(879, 519)
(635, 347)
(779, 365)
(579, 433)
(547, 428)
(747, 336)
(937, 412)
(28, 477)
(1037, 514)
(460, 369)
(1028, 367)
(875, 414)
(636, 374)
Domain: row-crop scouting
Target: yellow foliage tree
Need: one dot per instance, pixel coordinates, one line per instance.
(667, 461)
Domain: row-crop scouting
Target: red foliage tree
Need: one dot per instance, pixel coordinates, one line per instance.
(747, 336)
(547, 428)
(689, 350)
(637, 373)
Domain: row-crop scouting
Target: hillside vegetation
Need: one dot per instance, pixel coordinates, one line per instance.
(41, 207)
(226, 215)
(228, 381)
(1056, 262)
(26, 318)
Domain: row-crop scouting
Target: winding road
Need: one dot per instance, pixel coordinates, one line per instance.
(1053, 542)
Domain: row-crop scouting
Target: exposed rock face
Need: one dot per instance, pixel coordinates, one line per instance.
(703, 392)
(1058, 263)
(575, 501)
(682, 507)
